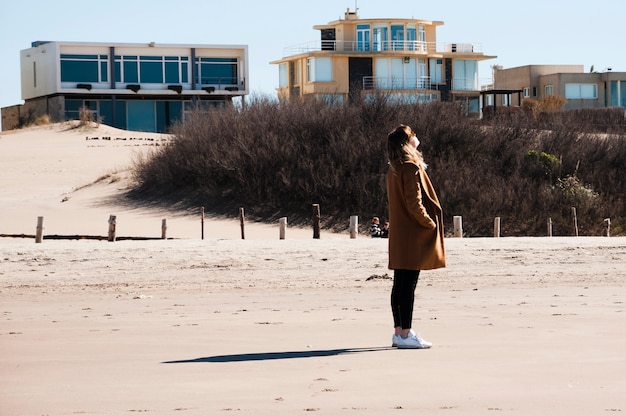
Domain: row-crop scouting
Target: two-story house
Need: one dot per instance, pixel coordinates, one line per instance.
(401, 58)
(134, 86)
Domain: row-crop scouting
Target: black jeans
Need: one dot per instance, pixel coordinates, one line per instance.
(403, 297)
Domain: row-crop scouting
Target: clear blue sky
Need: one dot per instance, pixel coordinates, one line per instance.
(518, 33)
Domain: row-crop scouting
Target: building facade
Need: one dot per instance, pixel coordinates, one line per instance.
(401, 58)
(581, 90)
(143, 87)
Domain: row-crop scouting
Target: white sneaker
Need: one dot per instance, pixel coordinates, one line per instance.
(413, 341)
(394, 338)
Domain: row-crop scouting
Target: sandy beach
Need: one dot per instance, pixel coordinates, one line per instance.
(263, 326)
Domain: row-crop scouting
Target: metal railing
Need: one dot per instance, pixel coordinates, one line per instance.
(413, 46)
(384, 83)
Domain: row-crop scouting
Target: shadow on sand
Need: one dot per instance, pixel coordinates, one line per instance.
(262, 356)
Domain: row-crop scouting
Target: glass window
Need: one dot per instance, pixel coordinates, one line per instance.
(380, 38)
(581, 91)
(282, 75)
(465, 75)
(436, 70)
(151, 70)
(363, 37)
(217, 71)
(397, 37)
(323, 70)
(411, 38)
(549, 90)
(84, 68)
(526, 92)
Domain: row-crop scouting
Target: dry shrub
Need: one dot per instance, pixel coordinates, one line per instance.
(277, 158)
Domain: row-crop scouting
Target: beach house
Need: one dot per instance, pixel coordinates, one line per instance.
(134, 86)
(603, 89)
(356, 58)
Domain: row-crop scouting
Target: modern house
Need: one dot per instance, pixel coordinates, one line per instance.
(134, 86)
(581, 89)
(401, 58)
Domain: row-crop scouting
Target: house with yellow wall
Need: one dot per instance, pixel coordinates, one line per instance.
(358, 58)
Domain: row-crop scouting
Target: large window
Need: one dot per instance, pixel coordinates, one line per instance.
(217, 71)
(283, 79)
(84, 68)
(618, 94)
(319, 70)
(465, 75)
(132, 69)
(578, 91)
(362, 37)
(436, 70)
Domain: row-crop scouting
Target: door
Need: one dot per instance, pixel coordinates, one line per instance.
(141, 116)
(360, 76)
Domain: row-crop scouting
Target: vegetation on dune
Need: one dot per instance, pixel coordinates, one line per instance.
(277, 159)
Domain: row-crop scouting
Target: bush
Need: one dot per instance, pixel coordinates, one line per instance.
(277, 158)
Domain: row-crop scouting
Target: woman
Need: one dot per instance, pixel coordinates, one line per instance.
(416, 238)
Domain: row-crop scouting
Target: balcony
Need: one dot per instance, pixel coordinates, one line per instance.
(404, 46)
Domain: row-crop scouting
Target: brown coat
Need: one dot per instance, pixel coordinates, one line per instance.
(415, 220)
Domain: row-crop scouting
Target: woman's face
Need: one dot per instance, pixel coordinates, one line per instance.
(413, 140)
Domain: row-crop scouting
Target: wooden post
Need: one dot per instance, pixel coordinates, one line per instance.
(282, 226)
(549, 227)
(354, 226)
(242, 223)
(458, 226)
(202, 223)
(496, 227)
(316, 221)
(112, 224)
(164, 229)
(607, 227)
(39, 234)
(575, 221)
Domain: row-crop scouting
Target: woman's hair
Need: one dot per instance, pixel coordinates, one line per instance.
(399, 150)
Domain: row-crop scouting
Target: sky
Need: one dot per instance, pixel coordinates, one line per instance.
(529, 32)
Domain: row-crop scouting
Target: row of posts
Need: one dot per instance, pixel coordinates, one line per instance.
(353, 229)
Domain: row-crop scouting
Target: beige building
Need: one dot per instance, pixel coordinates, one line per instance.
(400, 58)
(582, 90)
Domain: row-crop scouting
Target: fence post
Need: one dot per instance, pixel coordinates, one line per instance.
(496, 227)
(458, 226)
(39, 234)
(549, 227)
(575, 221)
(164, 229)
(316, 221)
(242, 223)
(112, 224)
(354, 226)
(607, 227)
(282, 226)
(202, 223)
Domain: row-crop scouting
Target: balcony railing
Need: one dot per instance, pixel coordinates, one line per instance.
(412, 46)
(420, 83)
(377, 83)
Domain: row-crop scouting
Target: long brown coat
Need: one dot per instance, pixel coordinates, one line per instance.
(415, 220)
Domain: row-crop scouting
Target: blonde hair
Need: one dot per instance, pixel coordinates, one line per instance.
(398, 148)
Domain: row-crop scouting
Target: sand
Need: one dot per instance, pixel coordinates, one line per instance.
(264, 326)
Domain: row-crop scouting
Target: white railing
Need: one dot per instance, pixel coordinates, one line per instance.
(421, 83)
(413, 46)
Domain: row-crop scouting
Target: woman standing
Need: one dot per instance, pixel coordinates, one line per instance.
(416, 234)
